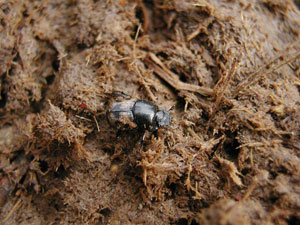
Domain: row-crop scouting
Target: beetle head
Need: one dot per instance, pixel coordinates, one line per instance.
(162, 118)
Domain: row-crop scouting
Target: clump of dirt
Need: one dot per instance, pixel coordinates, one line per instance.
(227, 71)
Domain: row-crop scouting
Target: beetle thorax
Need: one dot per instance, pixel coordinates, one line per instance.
(144, 113)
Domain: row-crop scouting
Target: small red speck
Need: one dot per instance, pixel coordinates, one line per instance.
(123, 3)
(238, 197)
(83, 105)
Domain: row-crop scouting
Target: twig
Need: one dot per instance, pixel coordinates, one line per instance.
(83, 118)
(254, 77)
(220, 94)
(145, 16)
(14, 208)
(96, 123)
(148, 90)
(172, 79)
(136, 69)
(134, 45)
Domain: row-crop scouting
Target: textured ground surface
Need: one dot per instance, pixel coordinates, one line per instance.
(228, 71)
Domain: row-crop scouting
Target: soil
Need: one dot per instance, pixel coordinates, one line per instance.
(227, 71)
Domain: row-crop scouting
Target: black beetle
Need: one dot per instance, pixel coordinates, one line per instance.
(127, 112)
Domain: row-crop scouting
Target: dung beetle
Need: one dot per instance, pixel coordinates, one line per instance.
(127, 112)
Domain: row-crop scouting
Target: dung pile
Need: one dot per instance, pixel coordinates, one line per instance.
(227, 71)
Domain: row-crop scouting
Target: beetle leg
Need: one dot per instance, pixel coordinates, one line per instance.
(118, 134)
(121, 94)
(142, 141)
(143, 138)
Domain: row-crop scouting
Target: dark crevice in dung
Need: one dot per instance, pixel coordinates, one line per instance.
(3, 97)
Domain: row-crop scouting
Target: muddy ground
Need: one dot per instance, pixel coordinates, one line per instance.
(227, 71)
